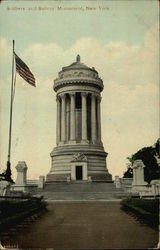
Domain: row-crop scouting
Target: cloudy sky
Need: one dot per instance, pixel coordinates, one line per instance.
(119, 38)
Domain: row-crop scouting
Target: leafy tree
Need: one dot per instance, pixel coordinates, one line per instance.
(6, 175)
(128, 173)
(148, 155)
(157, 147)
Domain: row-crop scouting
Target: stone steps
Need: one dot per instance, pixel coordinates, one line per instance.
(79, 186)
(82, 196)
(82, 191)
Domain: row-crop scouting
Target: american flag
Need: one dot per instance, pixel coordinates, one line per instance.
(24, 71)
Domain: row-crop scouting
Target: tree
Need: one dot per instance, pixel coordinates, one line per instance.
(149, 157)
(157, 147)
(128, 173)
(6, 175)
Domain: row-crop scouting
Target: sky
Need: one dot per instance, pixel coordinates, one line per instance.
(119, 38)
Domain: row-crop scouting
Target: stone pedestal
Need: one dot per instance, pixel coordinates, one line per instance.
(117, 182)
(41, 182)
(138, 176)
(63, 160)
(21, 181)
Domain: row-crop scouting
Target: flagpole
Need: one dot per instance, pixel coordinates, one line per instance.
(11, 109)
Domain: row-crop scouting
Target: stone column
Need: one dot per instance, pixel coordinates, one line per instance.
(72, 119)
(67, 136)
(63, 117)
(93, 118)
(41, 182)
(138, 173)
(99, 118)
(138, 184)
(21, 173)
(21, 181)
(58, 120)
(84, 117)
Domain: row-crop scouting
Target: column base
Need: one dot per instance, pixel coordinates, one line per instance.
(100, 143)
(61, 143)
(84, 141)
(94, 141)
(72, 142)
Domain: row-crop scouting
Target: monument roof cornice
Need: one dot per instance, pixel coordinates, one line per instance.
(60, 83)
(78, 73)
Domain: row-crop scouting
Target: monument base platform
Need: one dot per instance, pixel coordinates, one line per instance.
(67, 178)
(79, 162)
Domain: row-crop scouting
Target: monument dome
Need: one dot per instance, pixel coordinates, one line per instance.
(79, 154)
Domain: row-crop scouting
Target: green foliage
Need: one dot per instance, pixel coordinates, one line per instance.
(13, 207)
(146, 205)
(145, 209)
(14, 210)
(148, 156)
(128, 173)
(6, 175)
(157, 147)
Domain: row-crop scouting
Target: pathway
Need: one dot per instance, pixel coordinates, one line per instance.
(82, 225)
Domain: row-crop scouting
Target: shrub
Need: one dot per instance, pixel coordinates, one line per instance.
(145, 209)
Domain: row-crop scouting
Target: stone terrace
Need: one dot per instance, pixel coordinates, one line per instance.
(82, 191)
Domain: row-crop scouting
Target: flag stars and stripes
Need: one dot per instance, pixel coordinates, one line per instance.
(24, 71)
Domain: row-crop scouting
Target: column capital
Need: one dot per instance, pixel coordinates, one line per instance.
(62, 95)
(72, 93)
(94, 95)
(99, 98)
(84, 94)
(57, 98)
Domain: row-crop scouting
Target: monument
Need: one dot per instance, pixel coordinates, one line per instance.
(21, 181)
(79, 154)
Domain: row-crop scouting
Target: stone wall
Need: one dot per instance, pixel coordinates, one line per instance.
(124, 183)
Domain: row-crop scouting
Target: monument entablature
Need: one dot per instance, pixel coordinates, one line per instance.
(76, 81)
(78, 130)
(79, 88)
